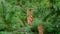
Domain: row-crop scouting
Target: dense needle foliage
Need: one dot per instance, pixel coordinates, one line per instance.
(13, 16)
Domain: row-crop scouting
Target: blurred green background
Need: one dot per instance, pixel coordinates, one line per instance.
(13, 16)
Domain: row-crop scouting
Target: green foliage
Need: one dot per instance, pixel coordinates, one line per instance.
(13, 16)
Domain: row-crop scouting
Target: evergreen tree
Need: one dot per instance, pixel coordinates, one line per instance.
(13, 16)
